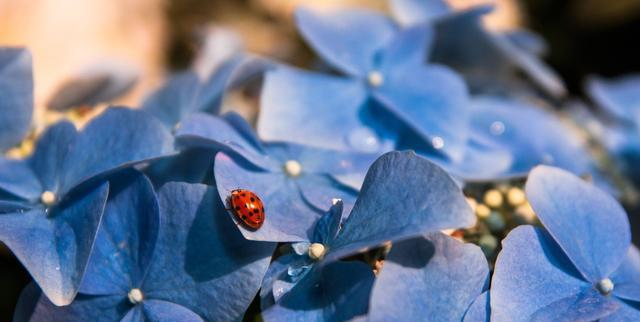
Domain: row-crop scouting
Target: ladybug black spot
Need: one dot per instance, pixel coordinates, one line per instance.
(244, 217)
(253, 199)
(237, 208)
(256, 210)
(243, 194)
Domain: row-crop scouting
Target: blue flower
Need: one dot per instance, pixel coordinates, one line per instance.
(52, 202)
(386, 91)
(434, 276)
(582, 267)
(16, 96)
(487, 59)
(173, 256)
(530, 134)
(294, 181)
(403, 196)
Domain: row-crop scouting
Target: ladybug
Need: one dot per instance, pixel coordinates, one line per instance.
(247, 207)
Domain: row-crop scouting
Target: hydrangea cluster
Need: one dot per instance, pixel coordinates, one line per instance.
(379, 185)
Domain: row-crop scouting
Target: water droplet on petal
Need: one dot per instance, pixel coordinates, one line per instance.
(297, 270)
(364, 139)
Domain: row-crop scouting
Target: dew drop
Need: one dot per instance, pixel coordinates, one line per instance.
(364, 139)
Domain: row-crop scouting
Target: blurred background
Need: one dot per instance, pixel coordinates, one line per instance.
(152, 38)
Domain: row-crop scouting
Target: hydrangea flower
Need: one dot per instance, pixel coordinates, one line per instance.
(170, 256)
(581, 268)
(295, 182)
(385, 89)
(52, 202)
(530, 134)
(403, 196)
(482, 56)
(433, 276)
(16, 95)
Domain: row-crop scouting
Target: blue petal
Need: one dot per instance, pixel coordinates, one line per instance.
(408, 47)
(117, 138)
(163, 311)
(588, 305)
(403, 195)
(319, 191)
(288, 217)
(433, 101)
(324, 161)
(55, 247)
(626, 313)
(328, 225)
(592, 228)
(201, 130)
(16, 90)
(411, 12)
(313, 109)
(336, 292)
(51, 153)
(510, 124)
(33, 306)
(528, 41)
(436, 277)
(347, 39)
(124, 244)
(618, 97)
(176, 99)
(200, 261)
(480, 310)
(627, 277)
(532, 276)
(190, 165)
(18, 179)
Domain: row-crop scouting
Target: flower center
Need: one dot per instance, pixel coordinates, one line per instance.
(48, 198)
(605, 286)
(316, 251)
(437, 142)
(375, 79)
(292, 168)
(135, 296)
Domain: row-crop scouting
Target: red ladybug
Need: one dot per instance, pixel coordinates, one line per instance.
(247, 207)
